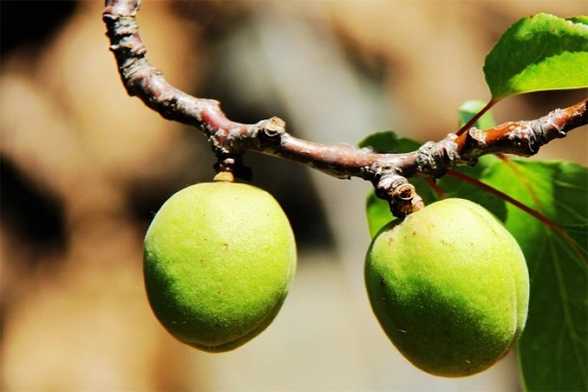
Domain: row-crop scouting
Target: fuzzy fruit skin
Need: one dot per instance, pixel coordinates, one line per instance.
(450, 287)
(218, 260)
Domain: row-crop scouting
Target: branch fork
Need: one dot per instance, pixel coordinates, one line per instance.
(388, 173)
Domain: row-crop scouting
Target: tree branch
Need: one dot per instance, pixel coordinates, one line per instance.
(387, 172)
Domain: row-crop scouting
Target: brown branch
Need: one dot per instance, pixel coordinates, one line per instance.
(387, 172)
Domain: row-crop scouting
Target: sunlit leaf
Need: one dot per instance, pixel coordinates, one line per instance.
(541, 52)
(579, 19)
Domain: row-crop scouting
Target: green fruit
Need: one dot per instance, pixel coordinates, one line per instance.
(218, 261)
(450, 287)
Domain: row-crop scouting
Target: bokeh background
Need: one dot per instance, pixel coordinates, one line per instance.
(83, 168)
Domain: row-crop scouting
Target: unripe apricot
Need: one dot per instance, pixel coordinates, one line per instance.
(450, 287)
(217, 264)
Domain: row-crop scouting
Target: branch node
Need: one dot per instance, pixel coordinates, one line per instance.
(269, 131)
(400, 194)
(550, 121)
(274, 126)
(473, 145)
(435, 158)
(526, 137)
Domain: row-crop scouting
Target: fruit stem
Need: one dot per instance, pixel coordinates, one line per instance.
(224, 176)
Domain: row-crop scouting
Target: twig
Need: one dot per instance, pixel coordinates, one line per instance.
(387, 172)
(475, 118)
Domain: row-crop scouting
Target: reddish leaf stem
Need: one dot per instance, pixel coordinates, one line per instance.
(521, 177)
(476, 117)
(556, 228)
(439, 192)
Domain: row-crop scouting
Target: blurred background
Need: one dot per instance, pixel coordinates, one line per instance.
(83, 169)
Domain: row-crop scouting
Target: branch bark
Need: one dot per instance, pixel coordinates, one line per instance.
(387, 172)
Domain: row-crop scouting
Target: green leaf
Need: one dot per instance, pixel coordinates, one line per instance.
(553, 351)
(378, 213)
(454, 187)
(470, 108)
(579, 19)
(389, 142)
(541, 52)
